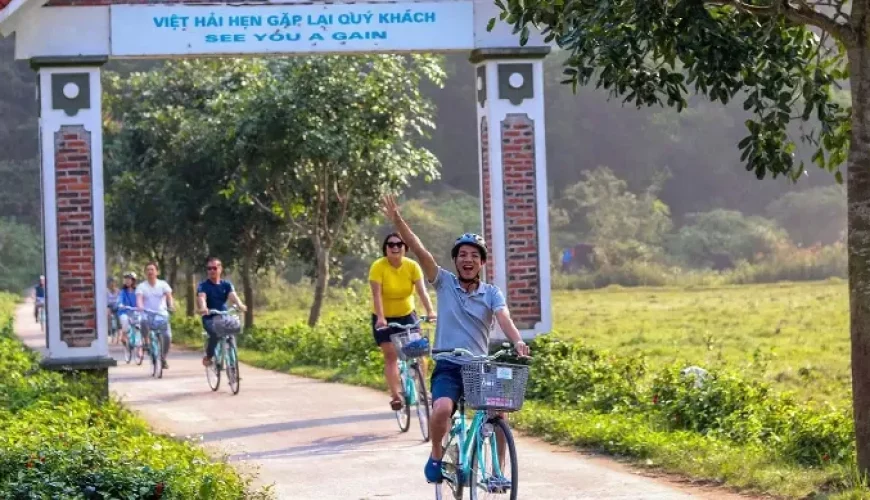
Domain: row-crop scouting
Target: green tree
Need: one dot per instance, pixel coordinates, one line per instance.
(169, 190)
(623, 225)
(708, 238)
(816, 215)
(319, 139)
(20, 256)
(783, 58)
(20, 195)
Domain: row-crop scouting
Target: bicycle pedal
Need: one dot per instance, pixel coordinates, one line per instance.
(498, 485)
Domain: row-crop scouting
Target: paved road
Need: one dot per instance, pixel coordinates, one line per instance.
(318, 440)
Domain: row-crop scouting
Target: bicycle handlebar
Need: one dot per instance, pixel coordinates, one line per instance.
(460, 352)
(229, 311)
(408, 327)
(146, 311)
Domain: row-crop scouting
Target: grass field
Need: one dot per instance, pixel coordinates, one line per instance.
(794, 335)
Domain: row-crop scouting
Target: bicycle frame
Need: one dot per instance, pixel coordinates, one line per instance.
(406, 365)
(408, 380)
(225, 355)
(135, 331)
(465, 435)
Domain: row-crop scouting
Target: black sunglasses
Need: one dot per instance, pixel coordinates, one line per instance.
(212, 268)
(395, 244)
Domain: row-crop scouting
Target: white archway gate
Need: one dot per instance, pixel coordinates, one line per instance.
(67, 41)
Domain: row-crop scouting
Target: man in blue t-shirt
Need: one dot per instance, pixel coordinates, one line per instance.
(213, 294)
(38, 297)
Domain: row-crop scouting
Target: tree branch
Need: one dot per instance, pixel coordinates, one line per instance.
(797, 11)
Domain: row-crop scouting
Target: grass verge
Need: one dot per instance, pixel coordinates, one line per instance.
(733, 429)
(61, 442)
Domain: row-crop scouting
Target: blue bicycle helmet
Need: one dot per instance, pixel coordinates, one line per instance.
(470, 239)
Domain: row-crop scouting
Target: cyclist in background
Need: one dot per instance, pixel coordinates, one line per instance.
(467, 309)
(112, 303)
(213, 294)
(156, 295)
(38, 297)
(127, 298)
(393, 279)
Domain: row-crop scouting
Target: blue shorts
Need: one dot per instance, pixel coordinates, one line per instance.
(447, 382)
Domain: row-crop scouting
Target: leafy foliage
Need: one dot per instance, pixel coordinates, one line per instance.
(168, 184)
(318, 140)
(20, 256)
(59, 442)
(816, 215)
(650, 53)
(725, 234)
(602, 390)
(623, 225)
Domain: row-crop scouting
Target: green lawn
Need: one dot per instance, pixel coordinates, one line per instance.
(794, 335)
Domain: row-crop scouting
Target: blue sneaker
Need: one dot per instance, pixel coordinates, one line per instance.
(432, 471)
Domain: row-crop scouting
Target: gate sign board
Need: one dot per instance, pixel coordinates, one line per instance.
(149, 30)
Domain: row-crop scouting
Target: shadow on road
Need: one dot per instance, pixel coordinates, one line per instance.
(294, 425)
(321, 447)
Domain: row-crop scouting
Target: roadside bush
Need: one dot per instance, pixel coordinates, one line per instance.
(723, 405)
(59, 442)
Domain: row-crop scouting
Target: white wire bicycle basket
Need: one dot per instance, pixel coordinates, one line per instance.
(158, 322)
(411, 345)
(225, 325)
(495, 386)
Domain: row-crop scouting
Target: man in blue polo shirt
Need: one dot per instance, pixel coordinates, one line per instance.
(213, 294)
(467, 310)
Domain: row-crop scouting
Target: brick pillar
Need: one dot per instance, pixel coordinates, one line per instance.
(486, 194)
(71, 144)
(514, 180)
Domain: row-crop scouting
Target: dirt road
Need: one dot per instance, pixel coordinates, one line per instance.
(317, 440)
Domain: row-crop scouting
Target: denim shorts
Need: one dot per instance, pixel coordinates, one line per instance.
(447, 382)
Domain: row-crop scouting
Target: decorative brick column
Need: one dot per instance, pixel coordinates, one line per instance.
(513, 180)
(71, 145)
(486, 194)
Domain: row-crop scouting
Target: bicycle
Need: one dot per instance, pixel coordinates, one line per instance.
(471, 452)
(158, 323)
(113, 323)
(134, 337)
(40, 304)
(227, 325)
(410, 347)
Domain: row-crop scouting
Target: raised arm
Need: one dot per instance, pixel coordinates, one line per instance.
(427, 262)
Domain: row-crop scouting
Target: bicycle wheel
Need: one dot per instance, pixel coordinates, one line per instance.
(487, 480)
(422, 403)
(451, 487)
(139, 348)
(232, 366)
(213, 371)
(128, 352)
(403, 416)
(156, 351)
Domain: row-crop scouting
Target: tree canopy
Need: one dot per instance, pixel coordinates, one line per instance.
(783, 58)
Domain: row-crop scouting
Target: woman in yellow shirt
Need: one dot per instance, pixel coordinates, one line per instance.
(393, 279)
